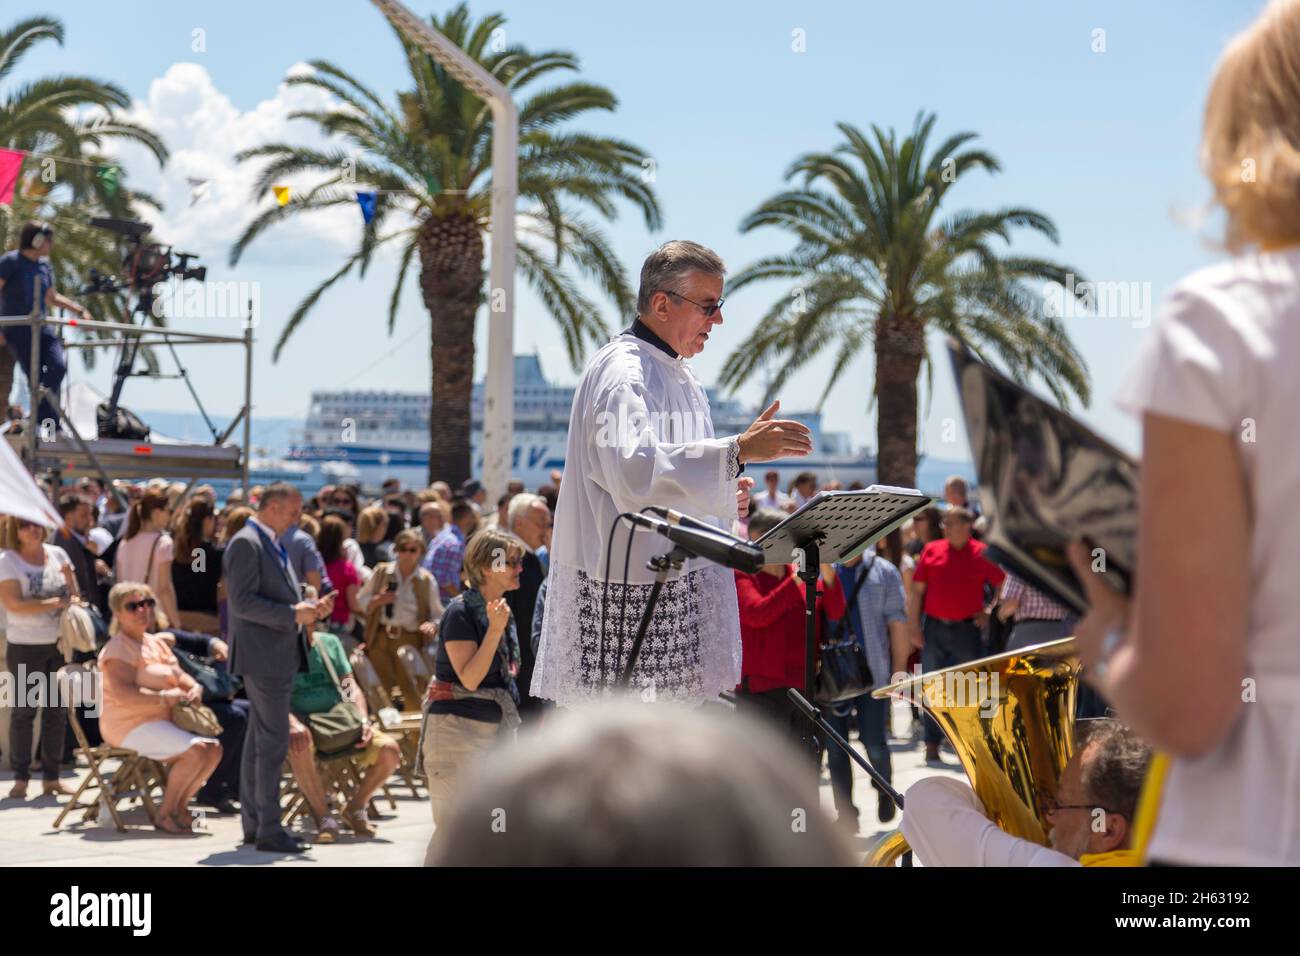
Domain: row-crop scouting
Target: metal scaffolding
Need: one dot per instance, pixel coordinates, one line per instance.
(42, 450)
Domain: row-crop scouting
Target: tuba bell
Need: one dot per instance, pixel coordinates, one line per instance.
(1011, 720)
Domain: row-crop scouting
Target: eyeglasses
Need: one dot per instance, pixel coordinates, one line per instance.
(1052, 805)
(346, 502)
(24, 525)
(515, 563)
(708, 309)
(134, 606)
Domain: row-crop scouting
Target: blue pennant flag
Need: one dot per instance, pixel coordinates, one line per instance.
(367, 203)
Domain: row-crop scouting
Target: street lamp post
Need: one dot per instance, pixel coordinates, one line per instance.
(499, 392)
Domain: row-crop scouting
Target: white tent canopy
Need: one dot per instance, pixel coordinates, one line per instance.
(20, 495)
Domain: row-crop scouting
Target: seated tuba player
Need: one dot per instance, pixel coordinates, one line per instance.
(1091, 817)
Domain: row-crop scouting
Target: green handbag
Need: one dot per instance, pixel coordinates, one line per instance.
(339, 728)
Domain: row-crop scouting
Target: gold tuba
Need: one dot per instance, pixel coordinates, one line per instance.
(1011, 720)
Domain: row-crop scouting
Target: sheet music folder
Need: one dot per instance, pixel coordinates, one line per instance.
(848, 522)
(1045, 479)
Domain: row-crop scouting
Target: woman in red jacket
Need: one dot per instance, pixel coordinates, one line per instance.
(772, 630)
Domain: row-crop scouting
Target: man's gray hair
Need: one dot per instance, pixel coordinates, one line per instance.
(519, 506)
(666, 269)
(1113, 776)
(765, 519)
(640, 784)
(277, 491)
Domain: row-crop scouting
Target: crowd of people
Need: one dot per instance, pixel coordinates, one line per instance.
(444, 574)
(158, 568)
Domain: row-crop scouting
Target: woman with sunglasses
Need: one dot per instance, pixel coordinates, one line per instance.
(401, 607)
(142, 683)
(472, 700)
(36, 584)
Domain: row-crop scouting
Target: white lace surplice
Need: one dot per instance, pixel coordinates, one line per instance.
(640, 434)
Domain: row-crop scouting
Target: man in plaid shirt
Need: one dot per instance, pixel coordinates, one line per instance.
(447, 549)
(1037, 617)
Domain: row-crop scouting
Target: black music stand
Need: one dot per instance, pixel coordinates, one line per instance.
(835, 526)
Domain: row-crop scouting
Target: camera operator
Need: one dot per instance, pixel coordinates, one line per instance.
(20, 270)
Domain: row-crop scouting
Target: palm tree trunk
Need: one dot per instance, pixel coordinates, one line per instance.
(451, 280)
(900, 346)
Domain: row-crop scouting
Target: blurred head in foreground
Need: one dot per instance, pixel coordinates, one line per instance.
(631, 784)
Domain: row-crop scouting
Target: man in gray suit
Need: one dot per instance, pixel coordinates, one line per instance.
(269, 635)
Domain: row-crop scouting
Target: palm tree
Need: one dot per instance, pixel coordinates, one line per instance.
(429, 156)
(874, 262)
(72, 117)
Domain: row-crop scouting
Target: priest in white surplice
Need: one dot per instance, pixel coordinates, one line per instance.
(640, 434)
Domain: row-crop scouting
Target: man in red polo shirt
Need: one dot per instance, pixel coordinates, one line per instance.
(948, 588)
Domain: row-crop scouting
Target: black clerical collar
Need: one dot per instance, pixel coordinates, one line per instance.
(646, 334)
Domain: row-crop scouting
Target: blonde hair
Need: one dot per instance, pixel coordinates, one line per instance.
(485, 548)
(371, 520)
(118, 596)
(1250, 147)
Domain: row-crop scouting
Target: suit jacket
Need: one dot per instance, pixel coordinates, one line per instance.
(265, 639)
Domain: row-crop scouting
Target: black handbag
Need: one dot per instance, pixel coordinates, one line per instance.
(844, 672)
(217, 682)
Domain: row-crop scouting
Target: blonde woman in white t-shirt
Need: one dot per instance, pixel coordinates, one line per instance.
(36, 584)
(146, 550)
(1204, 661)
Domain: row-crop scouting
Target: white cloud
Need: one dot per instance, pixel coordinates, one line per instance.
(203, 131)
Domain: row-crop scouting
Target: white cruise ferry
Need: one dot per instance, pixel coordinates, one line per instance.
(386, 434)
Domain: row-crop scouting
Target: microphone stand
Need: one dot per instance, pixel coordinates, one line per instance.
(661, 564)
(813, 714)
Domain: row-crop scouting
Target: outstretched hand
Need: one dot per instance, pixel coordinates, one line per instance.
(770, 438)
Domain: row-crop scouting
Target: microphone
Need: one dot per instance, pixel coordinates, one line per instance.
(712, 546)
(677, 518)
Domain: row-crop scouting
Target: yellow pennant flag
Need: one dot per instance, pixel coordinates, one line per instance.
(281, 194)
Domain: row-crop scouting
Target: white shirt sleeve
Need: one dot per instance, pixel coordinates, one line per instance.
(1193, 365)
(637, 468)
(945, 826)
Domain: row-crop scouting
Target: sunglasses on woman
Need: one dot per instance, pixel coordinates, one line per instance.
(134, 606)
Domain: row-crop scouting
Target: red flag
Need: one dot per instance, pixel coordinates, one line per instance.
(10, 162)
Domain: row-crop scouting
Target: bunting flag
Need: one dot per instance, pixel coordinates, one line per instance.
(11, 160)
(198, 189)
(281, 194)
(108, 175)
(367, 203)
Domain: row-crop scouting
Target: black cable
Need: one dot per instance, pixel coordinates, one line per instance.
(622, 622)
(604, 599)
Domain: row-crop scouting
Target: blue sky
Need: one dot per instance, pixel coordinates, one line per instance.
(1103, 142)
